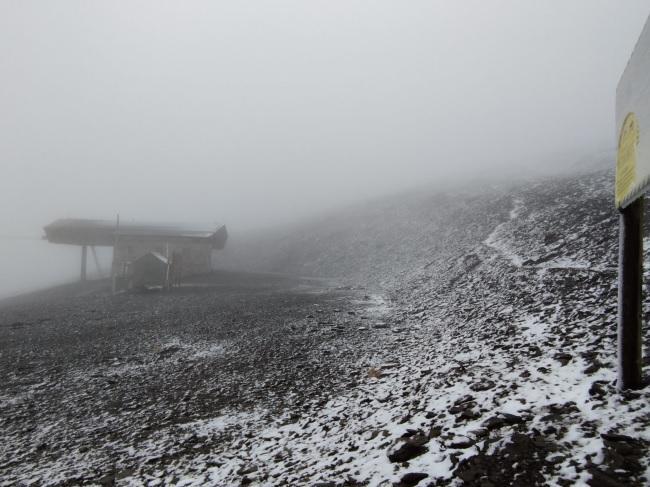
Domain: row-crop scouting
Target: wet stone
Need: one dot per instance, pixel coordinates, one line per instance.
(463, 399)
(594, 367)
(461, 442)
(435, 431)
(411, 479)
(563, 358)
(410, 448)
(482, 386)
(598, 388)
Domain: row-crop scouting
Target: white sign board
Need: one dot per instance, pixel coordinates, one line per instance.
(633, 124)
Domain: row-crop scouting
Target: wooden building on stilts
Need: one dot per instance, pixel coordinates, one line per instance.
(191, 246)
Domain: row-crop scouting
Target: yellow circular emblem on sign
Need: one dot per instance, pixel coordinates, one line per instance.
(626, 159)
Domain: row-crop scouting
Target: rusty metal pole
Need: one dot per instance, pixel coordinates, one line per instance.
(630, 309)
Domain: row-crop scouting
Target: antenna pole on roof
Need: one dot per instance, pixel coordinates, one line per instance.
(167, 286)
(113, 270)
(84, 260)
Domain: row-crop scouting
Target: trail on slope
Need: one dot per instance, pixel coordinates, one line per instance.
(496, 239)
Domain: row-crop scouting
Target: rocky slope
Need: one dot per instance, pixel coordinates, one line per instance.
(474, 344)
(504, 370)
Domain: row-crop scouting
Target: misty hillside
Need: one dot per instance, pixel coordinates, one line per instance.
(408, 236)
(503, 319)
(403, 270)
(379, 243)
(433, 338)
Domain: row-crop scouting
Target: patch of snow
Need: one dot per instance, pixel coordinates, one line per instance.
(565, 263)
(497, 240)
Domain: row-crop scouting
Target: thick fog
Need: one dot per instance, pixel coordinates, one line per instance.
(257, 113)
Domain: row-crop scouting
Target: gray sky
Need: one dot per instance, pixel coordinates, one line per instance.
(255, 112)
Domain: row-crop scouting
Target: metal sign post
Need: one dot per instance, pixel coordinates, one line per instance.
(630, 282)
(632, 181)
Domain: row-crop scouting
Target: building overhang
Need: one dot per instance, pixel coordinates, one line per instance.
(107, 233)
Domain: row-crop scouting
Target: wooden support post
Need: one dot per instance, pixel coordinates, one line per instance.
(84, 255)
(113, 265)
(97, 266)
(629, 296)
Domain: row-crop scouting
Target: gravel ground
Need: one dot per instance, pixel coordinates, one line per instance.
(483, 353)
(92, 381)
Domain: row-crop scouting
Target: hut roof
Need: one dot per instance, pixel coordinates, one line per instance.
(104, 232)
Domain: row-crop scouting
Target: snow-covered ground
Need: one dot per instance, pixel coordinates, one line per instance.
(505, 372)
(479, 349)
